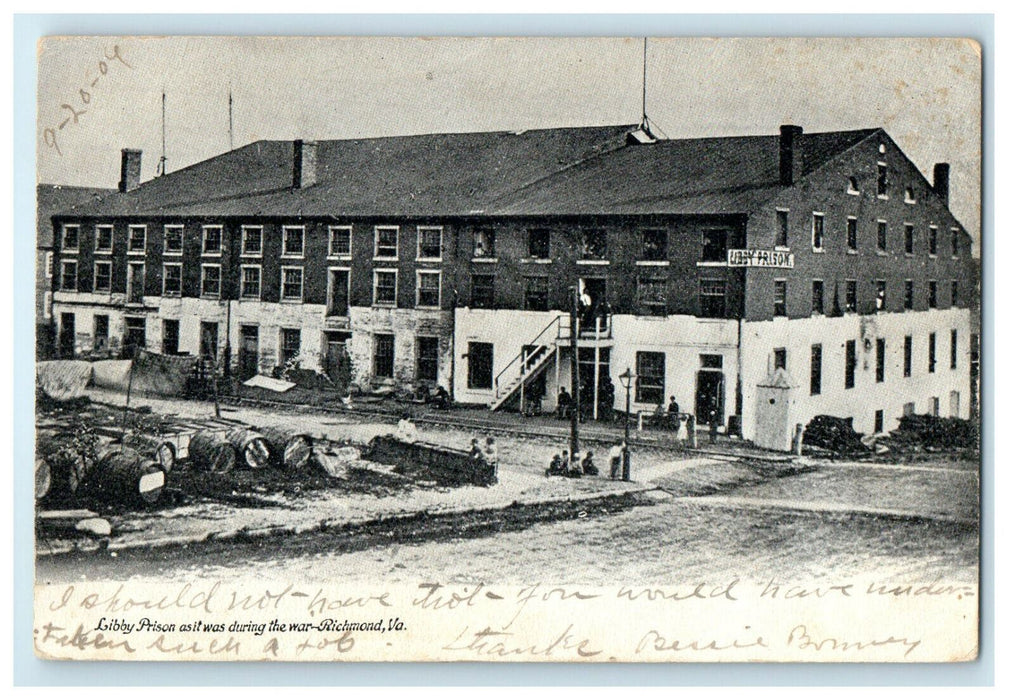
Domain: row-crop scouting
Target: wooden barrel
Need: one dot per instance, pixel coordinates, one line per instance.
(211, 452)
(161, 449)
(43, 478)
(67, 468)
(252, 447)
(291, 451)
(122, 475)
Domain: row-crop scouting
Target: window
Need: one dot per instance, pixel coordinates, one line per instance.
(250, 282)
(955, 292)
(386, 242)
(931, 294)
(955, 243)
(173, 243)
(653, 245)
(483, 243)
(879, 367)
(852, 186)
(71, 236)
(69, 276)
(850, 305)
(428, 289)
(879, 421)
(817, 231)
(932, 352)
(211, 280)
(934, 406)
(907, 238)
(292, 241)
(907, 356)
(536, 294)
(932, 240)
(252, 240)
(172, 279)
(430, 242)
(650, 385)
(815, 369)
(593, 244)
(292, 284)
(426, 359)
(480, 365)
(103, 276)
(880, 295)
(539, 243)
(817, 297)
(908, 408)
(211, 240)
(385, 287)
(953, 355)
(289, 350)
(882, 236)
(136, 238)
(910, 196)
(103, 239)
(339, 241)
(850, 364)
(48, 264)
(170, 336)
(713, 245)
(652, 296)
(780, 298)
(882, 180)
(482, 292)
(779, 358)
(781, 228)
(907, 299)
(384, 355)
(851, 233)
(712, 297)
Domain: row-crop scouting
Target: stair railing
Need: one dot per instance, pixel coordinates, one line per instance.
(521, 359)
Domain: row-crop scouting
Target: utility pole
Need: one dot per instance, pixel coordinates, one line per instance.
(575, 384)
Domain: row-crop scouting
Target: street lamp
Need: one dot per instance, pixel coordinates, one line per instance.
(626, 379)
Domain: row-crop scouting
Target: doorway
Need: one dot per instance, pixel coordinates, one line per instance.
(595, 306)
(134, 338)
(249, 352)
(135, 283)
(335, 358)
(66, 341)
(210, 340)
(710, 392)
(338, 292)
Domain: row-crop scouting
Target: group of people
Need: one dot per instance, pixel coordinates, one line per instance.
(561, 465)
(486, 452)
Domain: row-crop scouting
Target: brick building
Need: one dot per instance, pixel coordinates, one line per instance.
(769, 278)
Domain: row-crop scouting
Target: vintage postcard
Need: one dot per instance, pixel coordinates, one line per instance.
(508, 349)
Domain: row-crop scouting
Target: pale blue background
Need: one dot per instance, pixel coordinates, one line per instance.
(28, 670)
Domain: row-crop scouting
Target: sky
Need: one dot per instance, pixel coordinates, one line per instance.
(99, 95)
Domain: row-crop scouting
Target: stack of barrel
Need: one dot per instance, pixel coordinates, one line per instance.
(220, 452)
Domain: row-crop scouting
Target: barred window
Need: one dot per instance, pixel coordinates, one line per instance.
(907, 301)
(71, 235)
(850, 302)
(880, 295)
(850, 380)
(539, 243)
(136, 236)
(250, 282)
(426, 358)
(173, 239)
(932, 240)
(594, 244)
(907, 356)
(780, 298)
(931, 294)
(339, 241)
(907, 231)
(882, 236)
(653, 244)
(851, 233)
(384, 355)
(386, 242)
(211, 280)
(292, 241)
(536, 293)
(172, 279)
(430, 242)
(292, 283)
(212, 240)
(428, 289)
(817, 297)
(290, 350)
(482, 291)
(103, 276)
(104, 238)
(69, 276)
(484, 243)
(815, 369)
(652, 296)
(650, 385)
(932, 353)
(879, 353)
(252, 240)
(713, 245)
(818, 231)
(781, 228)
(712, 295)
(385, 282)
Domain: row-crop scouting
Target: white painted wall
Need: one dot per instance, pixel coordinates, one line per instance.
(868, 396)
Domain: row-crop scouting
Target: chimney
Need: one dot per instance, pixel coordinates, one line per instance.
(941, 180)
(304, 163)
(130, 169)
(791, 162)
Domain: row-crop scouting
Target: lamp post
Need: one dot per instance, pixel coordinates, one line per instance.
(626, 378)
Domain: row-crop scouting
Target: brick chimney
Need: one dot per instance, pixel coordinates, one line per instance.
(791, 162)
(941, 171)
(130, 169)
(304, 163)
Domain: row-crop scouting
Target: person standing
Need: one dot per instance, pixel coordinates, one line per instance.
(490, 453)
(616, 454)
(563, 404)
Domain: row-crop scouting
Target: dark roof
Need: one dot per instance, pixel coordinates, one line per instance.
(585, 170)
(54, 199)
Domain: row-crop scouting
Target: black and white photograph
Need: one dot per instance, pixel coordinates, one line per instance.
(535, 349)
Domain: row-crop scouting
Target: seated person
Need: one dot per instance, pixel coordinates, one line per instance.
(556, 466)
(440, 397)
(563, 404)
(673, 413)
(588, 468)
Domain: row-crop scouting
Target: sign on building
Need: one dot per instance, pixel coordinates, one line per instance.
(759, 258)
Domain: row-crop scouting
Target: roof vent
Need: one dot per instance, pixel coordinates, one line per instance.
(640, 135)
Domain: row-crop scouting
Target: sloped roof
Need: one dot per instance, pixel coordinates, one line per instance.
(54, 199)
(584, 170)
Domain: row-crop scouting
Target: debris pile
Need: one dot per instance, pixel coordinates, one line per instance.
(835, 435)
(933, 433)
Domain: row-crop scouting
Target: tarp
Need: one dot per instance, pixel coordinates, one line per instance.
(262, 382)
(63, 380)
(154, 374)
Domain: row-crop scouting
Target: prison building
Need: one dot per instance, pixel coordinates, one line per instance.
(767, 279)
